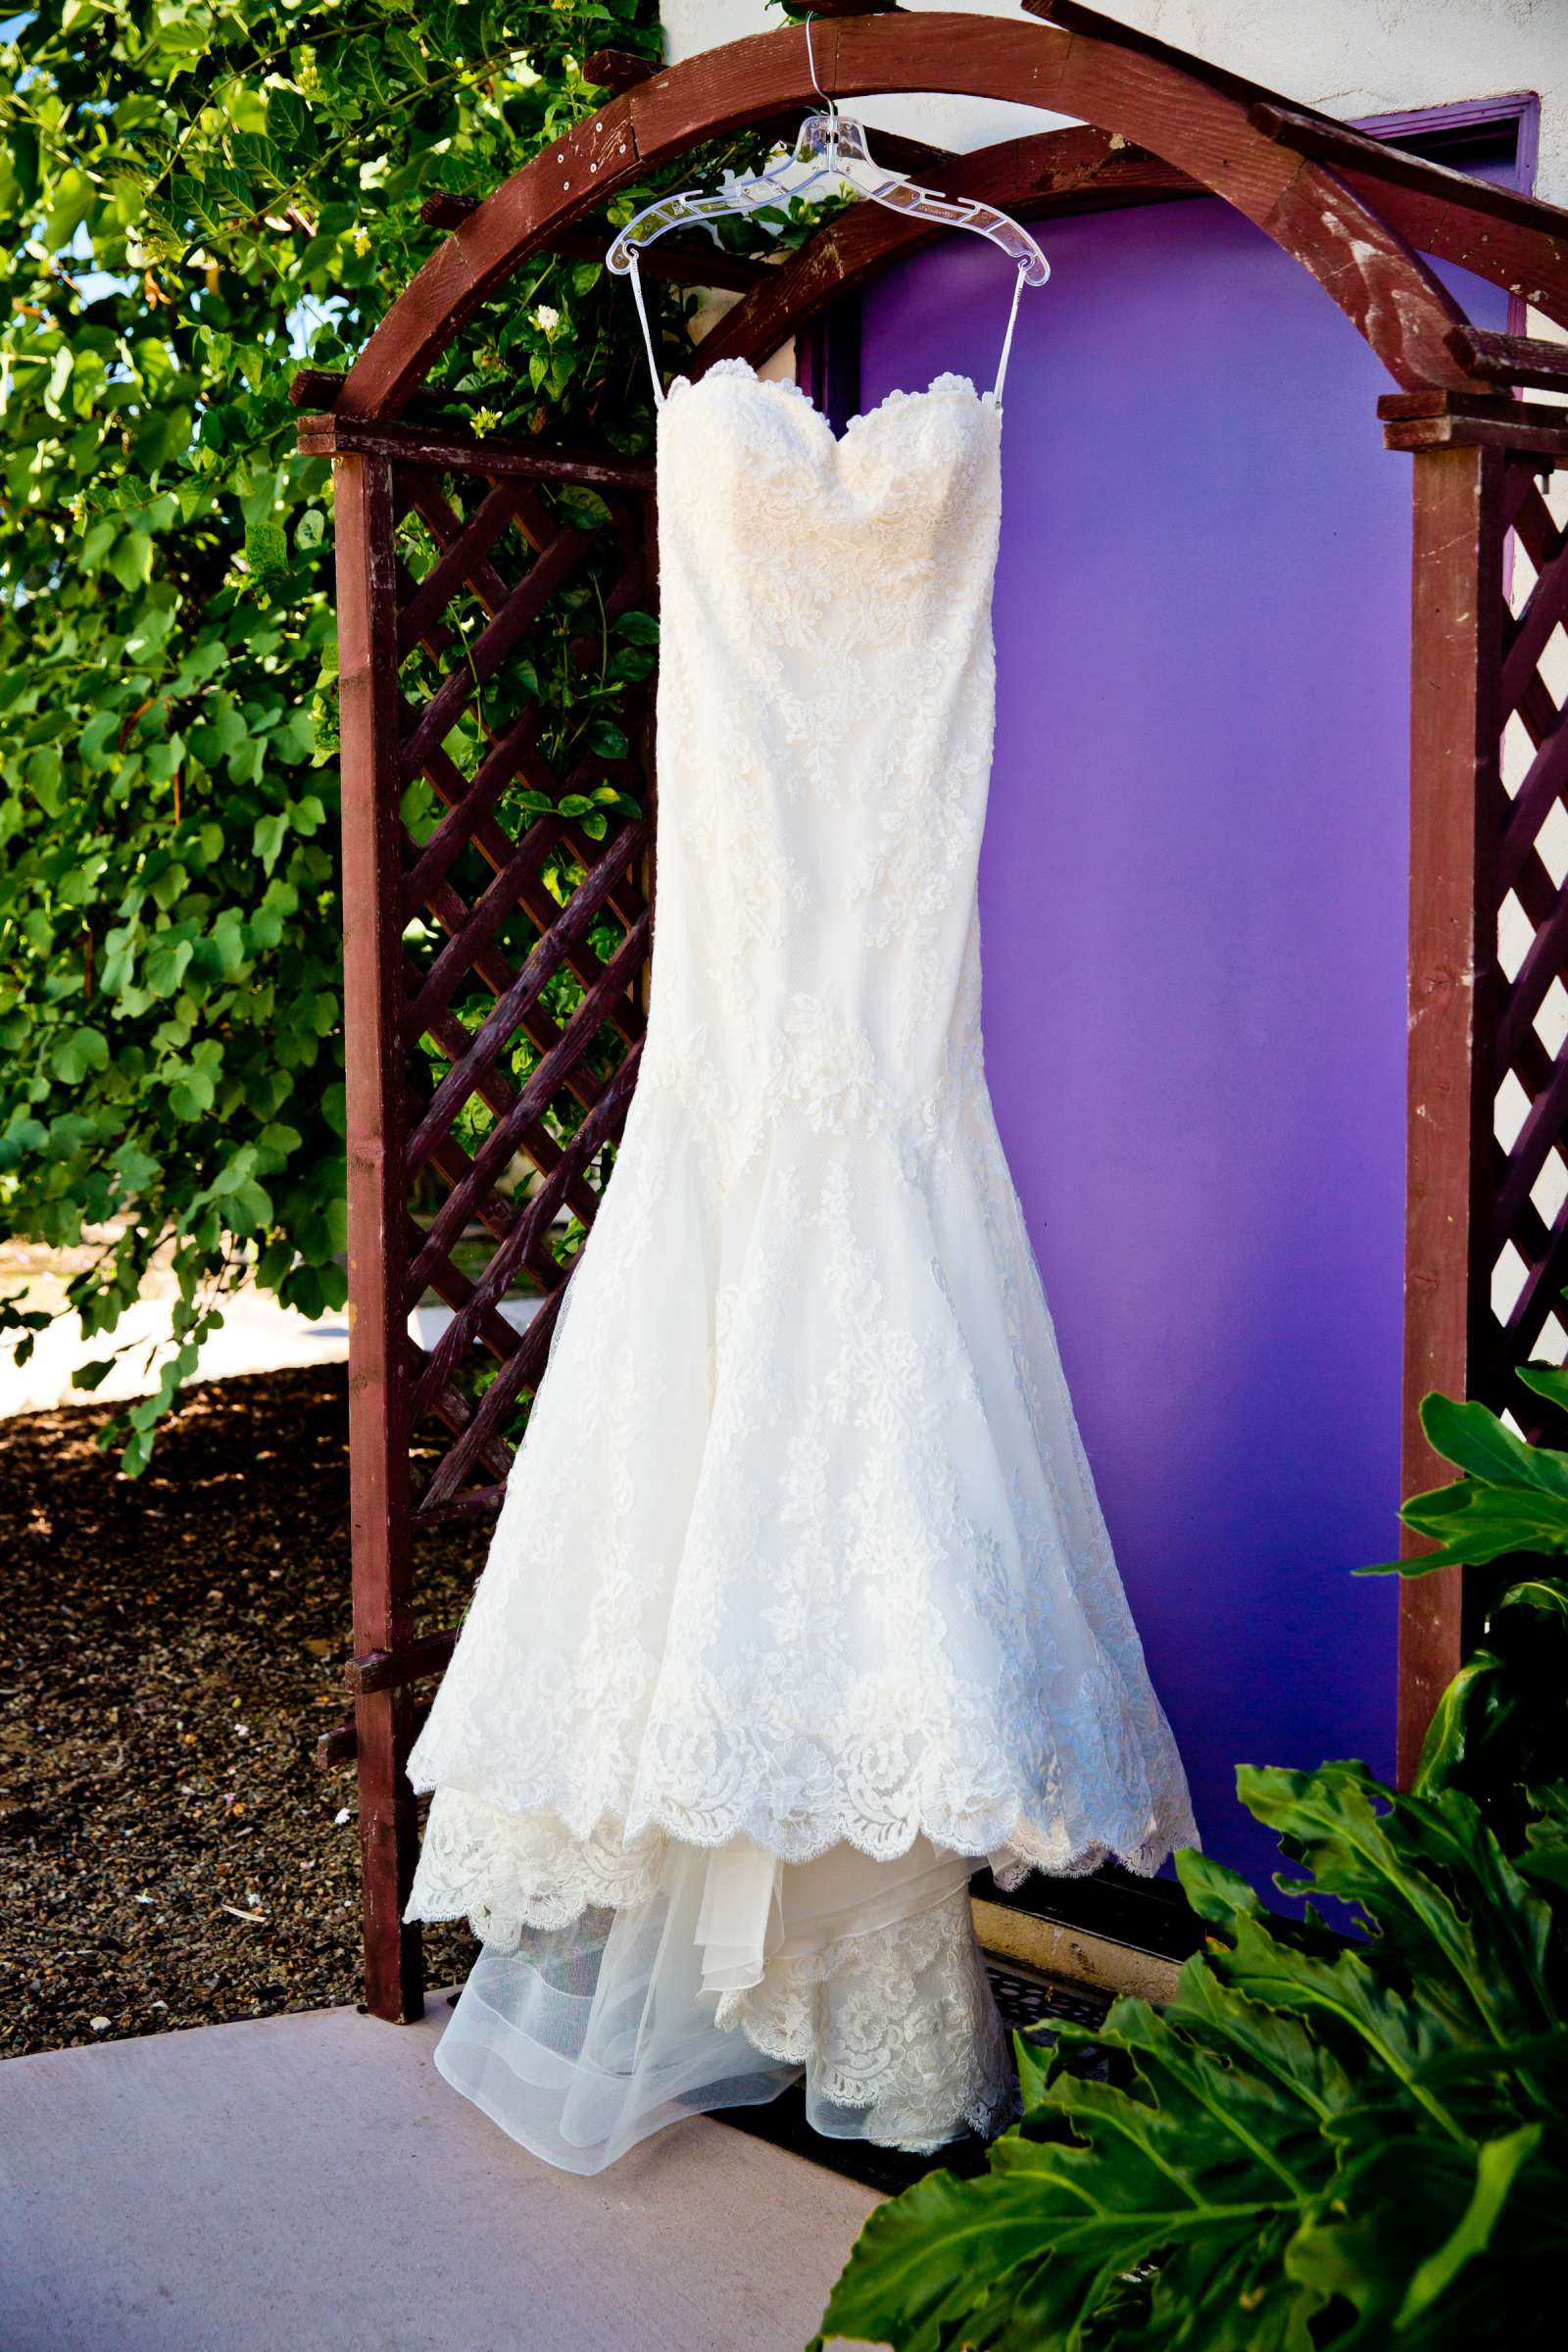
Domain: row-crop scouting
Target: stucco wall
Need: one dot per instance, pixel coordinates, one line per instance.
(1350, 57)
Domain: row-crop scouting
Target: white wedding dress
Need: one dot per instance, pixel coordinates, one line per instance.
(800, 1603)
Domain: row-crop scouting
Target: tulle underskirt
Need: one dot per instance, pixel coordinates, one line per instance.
(737, 1975)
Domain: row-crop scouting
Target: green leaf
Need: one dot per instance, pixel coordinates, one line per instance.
(1024, 2257)
(164, 963)
(267, 840)
(73, 198)
(1033, 2061)
(97, 737)
(1311, 2129)
(45, 774)
(1544, 1593)
(78, 1053)
(1214, 1891)
(192, 1092)
(265, 548)
(1446, 1898)
(1477, 1441)
(1497, 2165)
(248, 1207)
(1433, 1513)
(935, 2268)
(138, 1169)
(1446, 1748)
(289, 123)
(1548, 1380)
(1495, 1523)
(130, 560)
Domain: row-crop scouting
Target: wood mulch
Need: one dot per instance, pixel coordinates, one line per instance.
(170, 1650)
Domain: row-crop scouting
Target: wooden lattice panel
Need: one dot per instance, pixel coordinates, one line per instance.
(526, 929)
(1522, 1001)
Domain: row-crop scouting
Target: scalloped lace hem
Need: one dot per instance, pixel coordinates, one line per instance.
(508, 1871)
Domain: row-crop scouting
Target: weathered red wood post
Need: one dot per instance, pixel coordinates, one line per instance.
(378, 1343)
(1455, 639)
(1474, 667)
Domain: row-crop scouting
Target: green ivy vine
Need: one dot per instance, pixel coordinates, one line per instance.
(197, 196)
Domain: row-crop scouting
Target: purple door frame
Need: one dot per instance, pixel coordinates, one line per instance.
(1194, 898)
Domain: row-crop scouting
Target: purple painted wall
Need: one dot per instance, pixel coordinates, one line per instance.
(1193, 908)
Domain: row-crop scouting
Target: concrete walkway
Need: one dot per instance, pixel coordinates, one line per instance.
(311, 2181)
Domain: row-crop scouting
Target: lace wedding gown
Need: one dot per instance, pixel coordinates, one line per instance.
(801, 1603)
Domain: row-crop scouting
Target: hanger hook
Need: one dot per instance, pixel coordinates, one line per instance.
(828, 101)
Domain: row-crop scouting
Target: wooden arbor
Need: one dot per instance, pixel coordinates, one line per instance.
(1153, 124)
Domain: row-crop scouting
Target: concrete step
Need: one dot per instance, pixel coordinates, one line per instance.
(311, 2181)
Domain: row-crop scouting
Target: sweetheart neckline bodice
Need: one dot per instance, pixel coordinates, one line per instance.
(732, 370)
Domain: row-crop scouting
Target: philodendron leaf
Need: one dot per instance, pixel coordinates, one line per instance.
(1451, 1733)
(1548, 1380)
(1514, 1500)
(1462, 1957)
(1400, 2199)
(1243, 2302)
(1473, 1439)
(1550, 1804)
(1320, 2145)
(1307, 2080)
(1410, 2219)
(1034, 2070)
(1494, 1522)
(1214, 1892)
(1430, 1513)
(1209, 2161)
(923, 2270)
(1025, 2256)
(1548, 1593)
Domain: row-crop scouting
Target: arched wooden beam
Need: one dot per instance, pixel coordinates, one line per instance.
(1061, 171)
(1377, 279)
(1502, 234)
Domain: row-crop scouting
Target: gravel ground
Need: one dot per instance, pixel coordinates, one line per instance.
(169, 1648)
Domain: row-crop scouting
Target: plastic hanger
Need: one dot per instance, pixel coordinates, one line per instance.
(832, 146)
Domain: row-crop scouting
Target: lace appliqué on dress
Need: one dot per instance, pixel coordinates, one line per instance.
(897, 2028)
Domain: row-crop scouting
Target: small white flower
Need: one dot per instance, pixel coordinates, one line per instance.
(547, 319)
